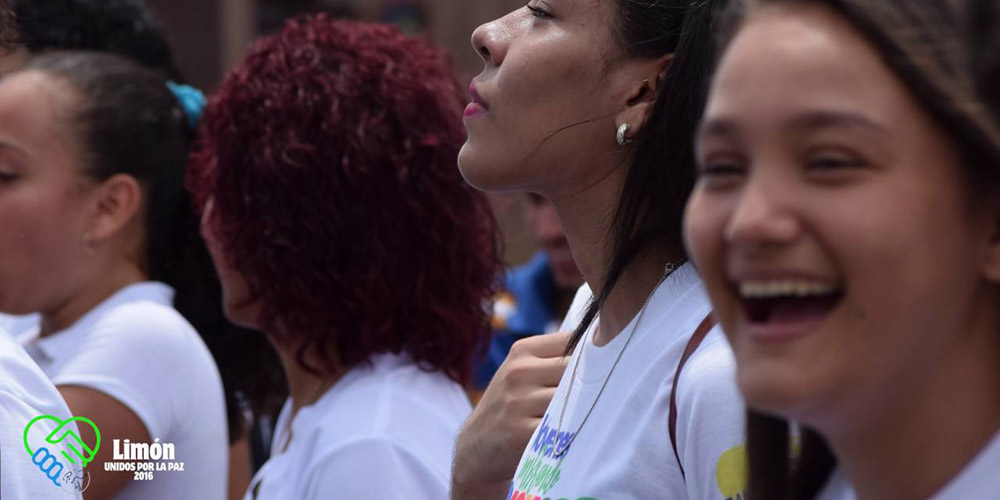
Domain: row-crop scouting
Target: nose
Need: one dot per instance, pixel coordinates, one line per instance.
(761, 218)
(491, 41)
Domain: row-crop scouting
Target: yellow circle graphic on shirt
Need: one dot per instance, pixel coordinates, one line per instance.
(731, 473)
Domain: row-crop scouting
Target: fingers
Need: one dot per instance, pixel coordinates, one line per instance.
(510, 410)
(551, 372)
(531, 372)
(536, 403)
(526, 432)
(551, 345)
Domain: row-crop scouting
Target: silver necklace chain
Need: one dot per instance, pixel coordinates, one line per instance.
(561, 450)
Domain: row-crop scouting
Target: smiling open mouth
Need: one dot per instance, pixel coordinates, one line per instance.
(788, 301)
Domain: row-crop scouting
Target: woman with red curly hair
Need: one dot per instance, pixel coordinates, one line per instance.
(341, 227)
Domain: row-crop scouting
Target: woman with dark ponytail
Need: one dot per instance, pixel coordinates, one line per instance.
(100, 237)
(847, 224)
(25, 392)
(128, 28)
(593, 104)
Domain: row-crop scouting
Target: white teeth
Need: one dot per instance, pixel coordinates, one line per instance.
(784, 288)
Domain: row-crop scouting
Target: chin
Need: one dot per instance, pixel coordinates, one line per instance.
(774, 390)
(475, 173)
(6, 306)
(9, 304)
(242, 313)
(482, 170)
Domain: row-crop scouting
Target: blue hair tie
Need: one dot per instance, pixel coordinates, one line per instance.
(192, 101)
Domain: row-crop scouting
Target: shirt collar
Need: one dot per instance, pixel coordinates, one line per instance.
(47, 350)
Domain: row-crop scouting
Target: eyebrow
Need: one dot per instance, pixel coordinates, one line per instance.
(716, 127)
(818, 120)
(806, 122)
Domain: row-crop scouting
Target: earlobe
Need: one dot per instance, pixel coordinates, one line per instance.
(630, 121)
(116, 203)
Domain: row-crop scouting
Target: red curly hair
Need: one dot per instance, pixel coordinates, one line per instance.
(330, 154)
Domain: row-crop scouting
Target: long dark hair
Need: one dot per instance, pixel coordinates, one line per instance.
(651, 207)
(130, 123)
(948, 54)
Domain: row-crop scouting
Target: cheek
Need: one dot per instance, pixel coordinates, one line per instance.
(704, 219)
(235, 290)
(543, 103)
(40, 248)
(902, 252)
(704, 227)
(235, 298)
(547, 76)
(903, 255)
(231, 281)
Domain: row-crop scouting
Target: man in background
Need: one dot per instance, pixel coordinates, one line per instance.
(536, 295)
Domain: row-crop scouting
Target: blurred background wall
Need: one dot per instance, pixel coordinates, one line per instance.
(210, 36)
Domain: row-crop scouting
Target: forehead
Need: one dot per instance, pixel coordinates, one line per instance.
(40, 94)
(34, 110)
(588, 14)
(786, 58)
(606, 9)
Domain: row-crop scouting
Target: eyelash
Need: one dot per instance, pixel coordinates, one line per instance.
(834, 162)
(720, 174)
(720, 170)
(716, 165)
(538, 12)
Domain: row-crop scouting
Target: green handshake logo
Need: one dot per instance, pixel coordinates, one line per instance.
(66, 441)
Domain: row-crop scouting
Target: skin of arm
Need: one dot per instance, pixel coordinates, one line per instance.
(239, 468)
(115, 421)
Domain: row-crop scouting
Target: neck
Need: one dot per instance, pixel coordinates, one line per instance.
(586, 218)
(72, 309)
(937, 421)
(304, 387)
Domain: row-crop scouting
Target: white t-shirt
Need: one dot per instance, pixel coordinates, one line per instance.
(980, 480)
(384, 431)
(624, 449)
(137, 349)
(16, 325)
(25, 394)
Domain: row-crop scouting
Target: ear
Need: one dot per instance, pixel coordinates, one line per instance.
(647, 75)
(116, 202)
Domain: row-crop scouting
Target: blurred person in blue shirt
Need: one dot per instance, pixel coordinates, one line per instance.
(535, 295)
